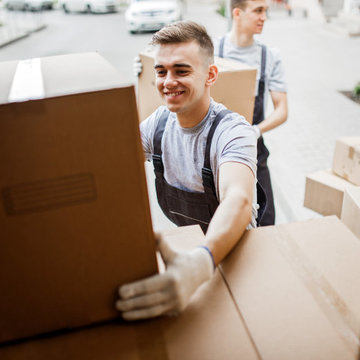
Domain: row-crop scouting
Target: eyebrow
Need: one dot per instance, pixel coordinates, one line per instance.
(157, 66)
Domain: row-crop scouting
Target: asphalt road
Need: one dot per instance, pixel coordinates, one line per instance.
(104, 33)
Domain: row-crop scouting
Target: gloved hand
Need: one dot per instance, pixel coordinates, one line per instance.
(169, 292)
(257, 131)
(137, 66)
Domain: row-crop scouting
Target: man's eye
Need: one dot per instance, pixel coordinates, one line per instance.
(182, 72)
(160, 72)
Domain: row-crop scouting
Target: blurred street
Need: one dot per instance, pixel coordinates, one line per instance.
(319, 64)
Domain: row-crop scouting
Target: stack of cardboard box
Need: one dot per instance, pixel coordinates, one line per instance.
(75, 223)
(335, 191)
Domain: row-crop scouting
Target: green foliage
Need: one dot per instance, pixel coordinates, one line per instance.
(357, 90)
(222, 8)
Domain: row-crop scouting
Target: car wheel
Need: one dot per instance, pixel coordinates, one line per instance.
(65, 9)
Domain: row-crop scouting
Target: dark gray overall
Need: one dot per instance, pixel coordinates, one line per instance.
(263, 174)
(186, 207)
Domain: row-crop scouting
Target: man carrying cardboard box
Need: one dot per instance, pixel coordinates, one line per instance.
(205, 164)
(248, 18)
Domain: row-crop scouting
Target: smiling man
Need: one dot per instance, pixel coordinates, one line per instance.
(205, 164)
(248, 19)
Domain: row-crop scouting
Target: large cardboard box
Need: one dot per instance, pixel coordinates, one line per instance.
(350, 214)
(346, 161)
(210, 328)
(235, 87)
(324, 192)
(74, 216)
(285, 292)
(297, 288)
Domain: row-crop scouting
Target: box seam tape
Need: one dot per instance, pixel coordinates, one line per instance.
(28, 81)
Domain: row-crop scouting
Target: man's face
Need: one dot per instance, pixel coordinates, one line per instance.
(181, 77)
(253, 16)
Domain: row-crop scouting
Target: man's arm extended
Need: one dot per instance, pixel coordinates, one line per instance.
(171, 291)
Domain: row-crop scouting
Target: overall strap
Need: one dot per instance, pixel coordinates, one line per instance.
(221, 47)
(261, 87)
(159, 131)
(207, 174)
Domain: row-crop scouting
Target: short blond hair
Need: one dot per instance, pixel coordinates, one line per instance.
(183, 32)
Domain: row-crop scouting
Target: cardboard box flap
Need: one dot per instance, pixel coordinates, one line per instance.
(279, 291)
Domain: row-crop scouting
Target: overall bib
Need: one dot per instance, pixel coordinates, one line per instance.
(263, 174)
(180, 206)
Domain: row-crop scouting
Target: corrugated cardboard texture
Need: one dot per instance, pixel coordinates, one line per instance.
(324, 192)
(208, 329)
(298, 290)
(235, 87)
(346, 161)
(74, 216)
(350, 214)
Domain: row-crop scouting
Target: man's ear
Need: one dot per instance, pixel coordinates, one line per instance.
(212, 75)
(236, 13)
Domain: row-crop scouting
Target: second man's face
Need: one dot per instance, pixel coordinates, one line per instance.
(181, 77)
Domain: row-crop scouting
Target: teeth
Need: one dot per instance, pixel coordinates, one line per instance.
(173, 94)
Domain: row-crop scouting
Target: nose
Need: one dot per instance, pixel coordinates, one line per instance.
(264, 15)
(170, 80)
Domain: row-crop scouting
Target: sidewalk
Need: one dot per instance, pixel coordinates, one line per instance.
(15, 25)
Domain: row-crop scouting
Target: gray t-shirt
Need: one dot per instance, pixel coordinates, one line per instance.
(251, 55)
(183, 149)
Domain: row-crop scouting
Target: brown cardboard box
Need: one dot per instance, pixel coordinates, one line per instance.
(210, 328)
(297, 288)
(235, 87)
(74, 217)
(346, 161)
(350, 214)
(324, 192)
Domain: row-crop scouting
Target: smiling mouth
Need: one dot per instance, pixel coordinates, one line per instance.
(173, 94)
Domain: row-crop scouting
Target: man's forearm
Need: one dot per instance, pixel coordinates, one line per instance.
(228, 225)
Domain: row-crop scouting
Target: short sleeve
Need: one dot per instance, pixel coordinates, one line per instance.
(277, 75)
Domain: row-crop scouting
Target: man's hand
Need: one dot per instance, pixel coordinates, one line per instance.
(169, 292)
(137, 66)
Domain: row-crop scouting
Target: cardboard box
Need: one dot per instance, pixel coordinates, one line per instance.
(297, 288)
(74, 216)
(283, 298)
(350, 214)
(346, 161)
(324, 192)
(210, 328)
(235, 87)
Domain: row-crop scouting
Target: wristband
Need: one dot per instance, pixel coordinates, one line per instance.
(210, 253)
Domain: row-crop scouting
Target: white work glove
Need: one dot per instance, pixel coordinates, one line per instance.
(257, 131)
(170, 292)
(137, 66)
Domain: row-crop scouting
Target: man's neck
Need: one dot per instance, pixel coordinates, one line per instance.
(240, 39)
(194, 117)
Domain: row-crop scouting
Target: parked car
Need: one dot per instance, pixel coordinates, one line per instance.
(33, 5)
(149, 15)
(90, 6)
